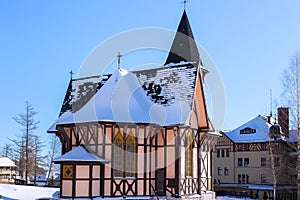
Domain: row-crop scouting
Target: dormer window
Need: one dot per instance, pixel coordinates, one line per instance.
(247, 130)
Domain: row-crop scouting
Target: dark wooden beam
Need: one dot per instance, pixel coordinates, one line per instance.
(102, 174)
(74, 181)
(145, 162)
(177, 162)
(90, 180)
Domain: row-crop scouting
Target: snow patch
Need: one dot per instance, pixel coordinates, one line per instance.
(12, 192)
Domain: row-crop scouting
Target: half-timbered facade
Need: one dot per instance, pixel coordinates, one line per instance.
(144, 133)
(257, 159)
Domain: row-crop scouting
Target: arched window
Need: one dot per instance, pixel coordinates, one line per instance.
(124, 156)
(118, 155)
(130, 158)
(189, 154)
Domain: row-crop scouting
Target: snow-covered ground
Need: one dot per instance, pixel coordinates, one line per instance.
(20, 192)
(228, 198)
(12, 192)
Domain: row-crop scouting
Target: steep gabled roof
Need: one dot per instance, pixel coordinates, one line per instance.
(80, 91)
(184, 48)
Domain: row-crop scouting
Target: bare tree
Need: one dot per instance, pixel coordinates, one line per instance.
(38, 160)
(291, 89)
(54, 151)
(291, 96)
(19, 154)
(28, 125)
(7, 151)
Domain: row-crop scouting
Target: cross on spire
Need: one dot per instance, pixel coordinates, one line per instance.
(184, 3)
(119, 59)
(71, 75)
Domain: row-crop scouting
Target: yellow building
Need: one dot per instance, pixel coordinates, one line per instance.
(7, 170)
(257, 159)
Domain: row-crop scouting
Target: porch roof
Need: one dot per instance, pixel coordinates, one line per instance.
(80, 154)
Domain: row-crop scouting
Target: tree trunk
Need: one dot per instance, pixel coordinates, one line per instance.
(26, 145)
(298, 167)
(298, 121)
(49, 172)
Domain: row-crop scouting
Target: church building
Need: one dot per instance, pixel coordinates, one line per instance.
(139, 134)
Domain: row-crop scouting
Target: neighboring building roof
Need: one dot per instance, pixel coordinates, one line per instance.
(6, 162)
(41, 177)
(80, 154)
(258, 124)
(293, 136)
(257, 130)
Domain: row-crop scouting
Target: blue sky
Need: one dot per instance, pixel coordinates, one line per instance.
(250, 42)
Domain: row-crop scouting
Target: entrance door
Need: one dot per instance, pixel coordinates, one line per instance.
(160, 182)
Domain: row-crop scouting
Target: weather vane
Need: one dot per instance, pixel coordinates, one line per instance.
(119, 59)
(184, 3)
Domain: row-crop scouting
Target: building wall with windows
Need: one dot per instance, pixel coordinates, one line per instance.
(7, 170)
(255, 159)
(250, 164)
(223, 161)
(256, 164)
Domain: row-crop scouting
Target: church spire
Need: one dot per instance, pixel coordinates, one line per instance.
(184, 47)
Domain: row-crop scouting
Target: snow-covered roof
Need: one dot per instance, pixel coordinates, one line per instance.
(293, 136)
(41, 177)
(257, 130)
(80, 154)
(6, 162)
(161, 96)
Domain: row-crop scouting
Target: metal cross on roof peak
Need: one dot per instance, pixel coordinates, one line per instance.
(184, 3)
(119, 59)
(71, 74)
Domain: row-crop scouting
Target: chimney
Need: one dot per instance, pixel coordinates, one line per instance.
(283, 120)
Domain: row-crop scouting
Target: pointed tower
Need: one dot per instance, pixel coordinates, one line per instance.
(184, 47)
